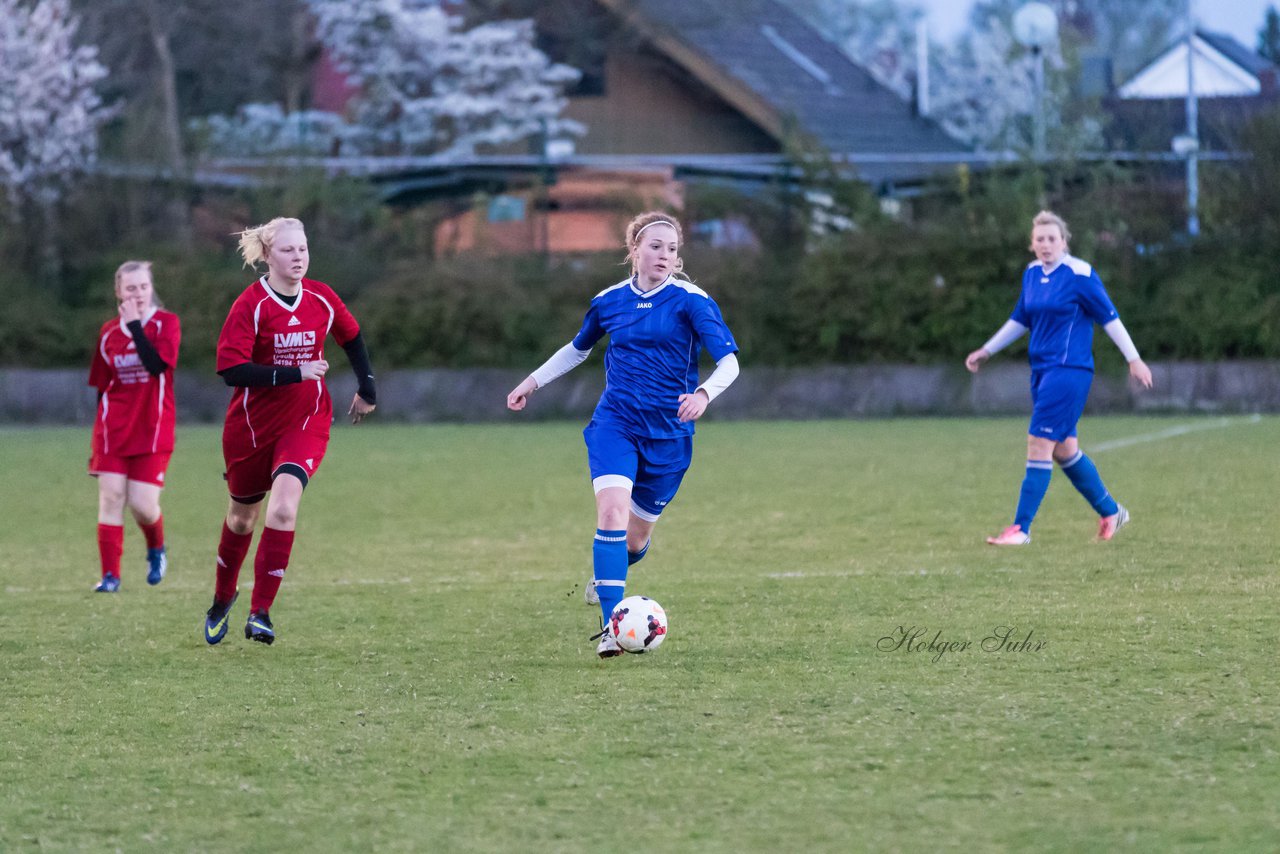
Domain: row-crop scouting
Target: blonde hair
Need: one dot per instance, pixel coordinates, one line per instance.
(1051, 218)
(255, 242)
(643, 221)
(133, 267)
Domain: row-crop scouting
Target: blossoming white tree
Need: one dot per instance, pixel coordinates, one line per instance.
(424, 85)
(49, 112)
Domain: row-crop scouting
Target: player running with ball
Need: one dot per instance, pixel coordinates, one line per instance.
(640, 439)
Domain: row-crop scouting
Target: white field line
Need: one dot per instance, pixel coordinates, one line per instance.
(1170, 433)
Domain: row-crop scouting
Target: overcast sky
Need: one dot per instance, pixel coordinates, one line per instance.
(1239, 18)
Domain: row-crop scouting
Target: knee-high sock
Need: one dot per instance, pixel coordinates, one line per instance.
(269, 566)
(154, 532)
(635, 557)
(609, 563)
(1035, 483)
(1084, 476)
(231, 551)
(110, 547)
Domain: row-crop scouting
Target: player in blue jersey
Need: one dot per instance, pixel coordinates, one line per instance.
(640, 439)
(1062, 298)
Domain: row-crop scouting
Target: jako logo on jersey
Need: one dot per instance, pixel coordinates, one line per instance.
(295, 339)
(127, 360)
(644, 305)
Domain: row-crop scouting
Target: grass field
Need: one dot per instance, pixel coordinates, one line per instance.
(433, 689)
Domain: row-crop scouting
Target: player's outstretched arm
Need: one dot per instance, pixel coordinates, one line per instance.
(564, 360)
(1139, 371)
(1005, 335)
(975, 360)
(360, 408)
(1137, 368)
(519, 396)
(366, 397)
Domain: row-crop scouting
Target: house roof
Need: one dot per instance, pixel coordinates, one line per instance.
(780, 72)
(1223, 68)
(1236, 52)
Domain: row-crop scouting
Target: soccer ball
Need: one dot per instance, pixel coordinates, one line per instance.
(638, 624)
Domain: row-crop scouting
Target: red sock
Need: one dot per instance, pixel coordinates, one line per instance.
(269, 566)
(110, 547)
(231, 551)
(154, 532)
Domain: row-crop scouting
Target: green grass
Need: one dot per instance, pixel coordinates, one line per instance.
(432, 687)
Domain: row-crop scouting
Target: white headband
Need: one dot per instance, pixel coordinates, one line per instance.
(656, 222)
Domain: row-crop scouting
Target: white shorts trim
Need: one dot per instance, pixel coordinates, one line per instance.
(605, 481)
(644, 514)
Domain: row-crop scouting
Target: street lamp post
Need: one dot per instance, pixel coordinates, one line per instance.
(1035, 26)
(1193, 131)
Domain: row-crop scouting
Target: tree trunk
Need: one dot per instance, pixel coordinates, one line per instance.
(178, 209)
(50, 242)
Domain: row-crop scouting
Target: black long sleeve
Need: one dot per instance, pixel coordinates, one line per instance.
(358, 354)
(252, 375)
(147, 353)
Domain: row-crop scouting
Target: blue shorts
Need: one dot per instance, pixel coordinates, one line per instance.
(1058, 396)
(651, 468)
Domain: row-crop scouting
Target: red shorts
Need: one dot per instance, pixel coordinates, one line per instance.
(144, 468)
(250, 470)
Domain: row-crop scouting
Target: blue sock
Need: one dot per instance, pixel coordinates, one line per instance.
(1084, 476)
(609, 559)
(1035, 483)
(636, 557)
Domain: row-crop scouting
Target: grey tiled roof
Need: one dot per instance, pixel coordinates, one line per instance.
(795, 71)
(1236, 52)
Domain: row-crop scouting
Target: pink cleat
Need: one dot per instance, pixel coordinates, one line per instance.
(1010, 536)
(1108, 525)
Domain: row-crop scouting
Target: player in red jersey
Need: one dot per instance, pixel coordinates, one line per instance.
(132, 370)
(271, 350)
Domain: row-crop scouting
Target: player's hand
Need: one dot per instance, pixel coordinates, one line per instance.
(975, 360)
(1139, 371)
(693, 405)
(520, 394)
(360, 408)
(130, 311)
(314, 370)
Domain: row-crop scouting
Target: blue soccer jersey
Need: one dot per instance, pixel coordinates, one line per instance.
(1060, 308)
(655, 338)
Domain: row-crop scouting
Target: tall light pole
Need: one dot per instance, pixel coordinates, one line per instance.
(1193, 131)
(1035, 26)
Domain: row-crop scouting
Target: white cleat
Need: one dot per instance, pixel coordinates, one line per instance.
(590, 594)
(1109, 525)
(1010, 536)
(608, 647)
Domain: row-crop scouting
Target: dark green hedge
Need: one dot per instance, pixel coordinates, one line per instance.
(924, 288)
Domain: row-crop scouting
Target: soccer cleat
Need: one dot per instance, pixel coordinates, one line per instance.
(157, 564)
(590, 594)
(608, 646)
(1010, 536)
(215, 621)
(1108, 525)
(259, 628)
(108, 584)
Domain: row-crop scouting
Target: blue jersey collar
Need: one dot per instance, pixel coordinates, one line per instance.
(636, 287)
(1050, 271)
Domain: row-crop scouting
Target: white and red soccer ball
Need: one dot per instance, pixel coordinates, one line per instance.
(638, 624)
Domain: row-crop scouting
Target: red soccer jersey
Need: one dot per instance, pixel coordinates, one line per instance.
(263, 329)
(136, 410)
